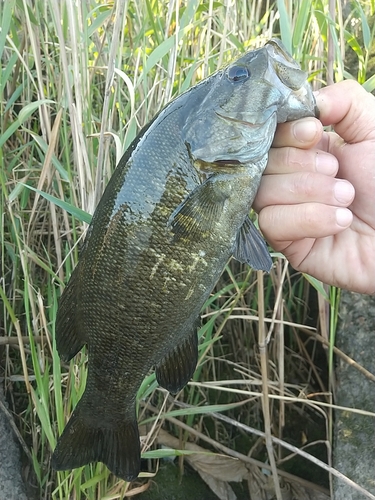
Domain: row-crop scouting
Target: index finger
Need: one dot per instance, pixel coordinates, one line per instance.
(303, 133)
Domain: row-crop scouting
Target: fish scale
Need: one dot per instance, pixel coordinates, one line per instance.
(173, 213)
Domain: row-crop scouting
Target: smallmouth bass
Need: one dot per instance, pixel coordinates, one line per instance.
(173, 213)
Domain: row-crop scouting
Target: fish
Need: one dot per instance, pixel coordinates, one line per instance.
(175, 210)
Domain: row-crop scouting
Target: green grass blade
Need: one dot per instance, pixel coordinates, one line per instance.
(170, 452)
(24, 114)
(6, 20)
(75, 211)
(285, 26)
(369, 84)
(299, 32)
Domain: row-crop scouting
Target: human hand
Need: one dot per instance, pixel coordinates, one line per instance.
(316, 201)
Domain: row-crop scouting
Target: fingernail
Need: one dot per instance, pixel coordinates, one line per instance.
(344, 191)
(325, 163)
(305, 130)
(344, 217)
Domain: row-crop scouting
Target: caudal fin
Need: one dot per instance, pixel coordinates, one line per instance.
(117, 446)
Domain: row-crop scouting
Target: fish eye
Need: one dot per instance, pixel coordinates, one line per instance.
(238, 73)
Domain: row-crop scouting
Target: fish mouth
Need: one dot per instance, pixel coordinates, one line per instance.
(252, 124)
(217, 166)
(316, 111)
(228, 160)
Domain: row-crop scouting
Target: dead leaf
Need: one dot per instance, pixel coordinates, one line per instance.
(218, 470)
(215, 470)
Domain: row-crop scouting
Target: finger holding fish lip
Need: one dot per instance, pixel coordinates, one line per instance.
(327, 237)
(293, 149)
(304, 133)
(299, 197)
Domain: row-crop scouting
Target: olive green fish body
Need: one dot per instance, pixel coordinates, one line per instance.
(174, 211)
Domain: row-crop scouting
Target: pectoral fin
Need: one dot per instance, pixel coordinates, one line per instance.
(251, 248)
(196, 216)
(177, 368)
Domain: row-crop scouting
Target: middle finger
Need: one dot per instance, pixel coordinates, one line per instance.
(287, 160)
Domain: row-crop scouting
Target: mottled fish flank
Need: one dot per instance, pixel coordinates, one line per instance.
(175, 210)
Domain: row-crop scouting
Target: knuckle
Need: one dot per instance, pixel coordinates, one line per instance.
(304, 184)
(311, 214)
(301, 159)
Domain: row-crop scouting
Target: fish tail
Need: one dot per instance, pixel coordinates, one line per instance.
(116, 444)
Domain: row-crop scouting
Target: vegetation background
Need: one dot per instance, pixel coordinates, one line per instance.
(78, 81)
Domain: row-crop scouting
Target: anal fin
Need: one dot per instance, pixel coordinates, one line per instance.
(69, 338)
(251, 248)
(177, 368)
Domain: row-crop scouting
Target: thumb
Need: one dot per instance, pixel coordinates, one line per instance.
(349, 108)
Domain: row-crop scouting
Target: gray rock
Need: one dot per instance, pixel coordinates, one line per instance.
(11, 484)
(354, 438)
